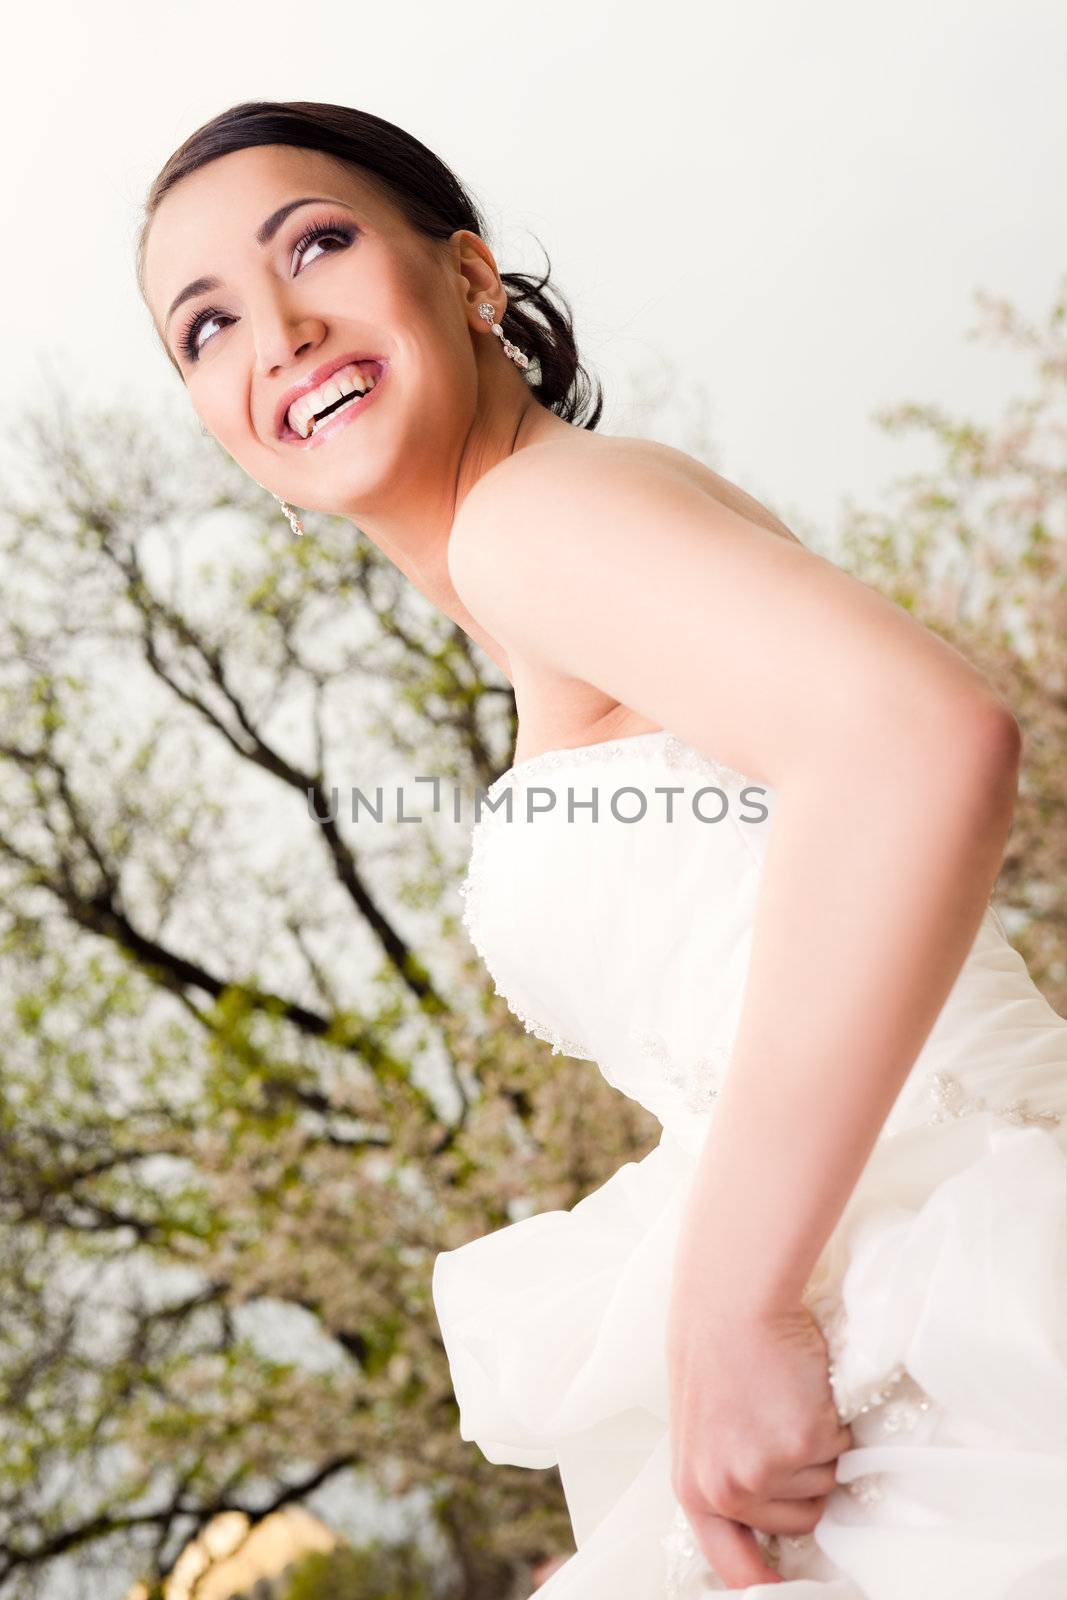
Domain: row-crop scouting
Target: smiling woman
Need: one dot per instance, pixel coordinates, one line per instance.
(284, 244)
(821, 1311)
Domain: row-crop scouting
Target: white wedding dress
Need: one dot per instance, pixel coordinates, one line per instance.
(942, 1291)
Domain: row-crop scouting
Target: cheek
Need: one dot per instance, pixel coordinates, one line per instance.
(223, 410)
(422, 306)
(444, 382)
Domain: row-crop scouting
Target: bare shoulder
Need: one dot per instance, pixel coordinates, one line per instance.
(588, 451)
(549, 488)
(665, 456)
(617, 567)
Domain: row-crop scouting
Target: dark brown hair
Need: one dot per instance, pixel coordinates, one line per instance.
(429, 196)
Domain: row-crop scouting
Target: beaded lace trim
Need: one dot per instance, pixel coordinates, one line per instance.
(540, 1030)
(951, 1101)
(470, 890)
(899, 1394)
(697, 1083)
(685, 1560)
(897, 1400)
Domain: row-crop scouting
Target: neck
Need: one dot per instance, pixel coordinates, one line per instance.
(415, 534)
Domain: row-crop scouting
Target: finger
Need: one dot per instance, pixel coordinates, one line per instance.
(837, 1443)
(843, 1440)
(806, 1483)
(788, 1516)
(732, 1551)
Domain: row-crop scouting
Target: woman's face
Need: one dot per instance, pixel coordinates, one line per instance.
(303, 287)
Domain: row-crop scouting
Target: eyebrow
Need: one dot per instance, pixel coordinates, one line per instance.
(264, 234)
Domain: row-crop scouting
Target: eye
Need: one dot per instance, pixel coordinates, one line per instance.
(332, 228)
(187, 340)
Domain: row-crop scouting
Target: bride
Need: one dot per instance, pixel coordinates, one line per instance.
(817, 1338)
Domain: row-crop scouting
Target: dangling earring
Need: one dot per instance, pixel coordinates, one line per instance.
(488, 312)
(294, 521)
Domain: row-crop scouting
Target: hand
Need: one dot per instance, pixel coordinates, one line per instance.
(754, 1427)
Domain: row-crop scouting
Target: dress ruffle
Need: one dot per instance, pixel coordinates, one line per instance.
(943, 1293)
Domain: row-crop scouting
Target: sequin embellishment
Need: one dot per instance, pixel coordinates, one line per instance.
(951, 1101)
(867, 1488)
(697, 1083)
(685, 1561)
(897, 1398)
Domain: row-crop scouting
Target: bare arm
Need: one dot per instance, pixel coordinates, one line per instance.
(876, 879)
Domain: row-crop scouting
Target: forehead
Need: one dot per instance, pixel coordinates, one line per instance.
(211, 216)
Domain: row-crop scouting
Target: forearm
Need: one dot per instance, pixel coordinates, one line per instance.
(875, 881)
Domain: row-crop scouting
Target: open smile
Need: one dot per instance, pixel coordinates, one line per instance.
(344, 412)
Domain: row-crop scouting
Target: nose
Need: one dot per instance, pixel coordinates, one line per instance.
(283, 334)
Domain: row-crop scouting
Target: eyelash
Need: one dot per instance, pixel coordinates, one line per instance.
(313, 232)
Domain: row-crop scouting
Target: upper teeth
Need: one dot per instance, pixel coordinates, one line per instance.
(356, 378)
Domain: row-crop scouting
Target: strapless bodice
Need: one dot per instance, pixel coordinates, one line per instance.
(622, 934)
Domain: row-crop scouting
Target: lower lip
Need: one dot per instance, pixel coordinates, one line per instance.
(348, 413)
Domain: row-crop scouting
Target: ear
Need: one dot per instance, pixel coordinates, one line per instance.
(477, 271)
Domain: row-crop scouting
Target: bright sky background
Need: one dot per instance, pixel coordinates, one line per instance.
(780, 210)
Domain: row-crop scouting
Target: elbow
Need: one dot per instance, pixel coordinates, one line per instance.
(996, 738)
(983, 748)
